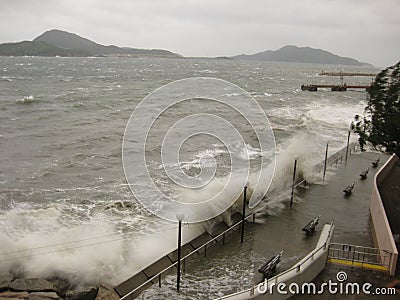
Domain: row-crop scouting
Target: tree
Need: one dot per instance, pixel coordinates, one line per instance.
(380, 125)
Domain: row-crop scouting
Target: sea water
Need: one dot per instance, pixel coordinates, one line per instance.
(65, 206)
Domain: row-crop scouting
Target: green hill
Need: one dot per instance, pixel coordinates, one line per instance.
(61, 43)
(28, 48)
(67, 40)
(301, 55)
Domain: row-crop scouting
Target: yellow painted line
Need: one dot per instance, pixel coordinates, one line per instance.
(357, 264)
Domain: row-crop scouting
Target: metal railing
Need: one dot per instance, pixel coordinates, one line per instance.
(360, 256)
(158, 276)
(296, 267)
(335, 158)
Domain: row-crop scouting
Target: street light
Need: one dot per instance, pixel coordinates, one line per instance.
(244, 210)
(347, 147)
(293, 180)
(325, 161)
(179, 217)
(351, 128)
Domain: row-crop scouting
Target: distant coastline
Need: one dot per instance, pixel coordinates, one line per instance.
(65, 44)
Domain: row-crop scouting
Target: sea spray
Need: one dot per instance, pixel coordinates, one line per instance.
(73, 253)
(305, 148)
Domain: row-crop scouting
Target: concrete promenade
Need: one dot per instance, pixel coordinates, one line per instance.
(356, 230)
(350, 214)
(273, 233)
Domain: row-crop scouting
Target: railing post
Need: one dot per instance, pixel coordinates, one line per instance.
(180, 218)
(243, 212)
(179, 256)
(159, 280)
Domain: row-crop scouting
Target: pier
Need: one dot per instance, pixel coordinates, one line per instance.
(352, 74)
(333, 87)
(342, 86)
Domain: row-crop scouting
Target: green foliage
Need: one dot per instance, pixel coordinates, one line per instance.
(380, 125)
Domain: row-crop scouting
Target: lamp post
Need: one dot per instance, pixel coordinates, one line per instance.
(347, 147)
(180, 217)
(243, 211)
(293, 181)
(326, 160)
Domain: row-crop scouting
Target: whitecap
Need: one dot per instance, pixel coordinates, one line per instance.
(26, 99)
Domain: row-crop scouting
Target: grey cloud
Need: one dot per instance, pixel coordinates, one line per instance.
(364, 29)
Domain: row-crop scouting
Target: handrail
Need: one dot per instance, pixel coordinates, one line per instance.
(185, 257)
(364, 247)
(297, 184)
(361, 251)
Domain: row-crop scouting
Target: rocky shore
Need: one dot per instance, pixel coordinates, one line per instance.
(12, 288)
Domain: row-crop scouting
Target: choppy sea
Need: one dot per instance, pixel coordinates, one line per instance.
(65, 205)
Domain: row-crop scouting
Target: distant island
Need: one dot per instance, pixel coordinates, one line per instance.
(301, 55)
(62, 43)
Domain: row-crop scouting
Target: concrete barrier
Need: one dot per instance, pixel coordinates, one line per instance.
(302, 272)
(382, 234)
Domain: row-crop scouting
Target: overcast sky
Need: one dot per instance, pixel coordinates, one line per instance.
(367, 30)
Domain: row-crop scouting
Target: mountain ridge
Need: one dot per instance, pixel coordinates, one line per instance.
(66, 40)
(57, 42)
(296, 54)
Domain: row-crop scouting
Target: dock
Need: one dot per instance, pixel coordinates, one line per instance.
(352, 74)
(342, 86)
(333, 87)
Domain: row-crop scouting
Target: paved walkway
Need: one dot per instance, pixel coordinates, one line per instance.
(352, 220)
(350, 213)
(271, 234)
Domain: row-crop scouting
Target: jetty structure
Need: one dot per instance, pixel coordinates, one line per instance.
(342, 86)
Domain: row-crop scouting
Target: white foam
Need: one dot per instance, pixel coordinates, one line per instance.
(26, 99)
(336, 115)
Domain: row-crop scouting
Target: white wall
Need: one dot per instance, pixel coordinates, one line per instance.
(383, 237)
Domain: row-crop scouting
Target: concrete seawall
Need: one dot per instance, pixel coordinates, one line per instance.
(303, 271)
(382, 234)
